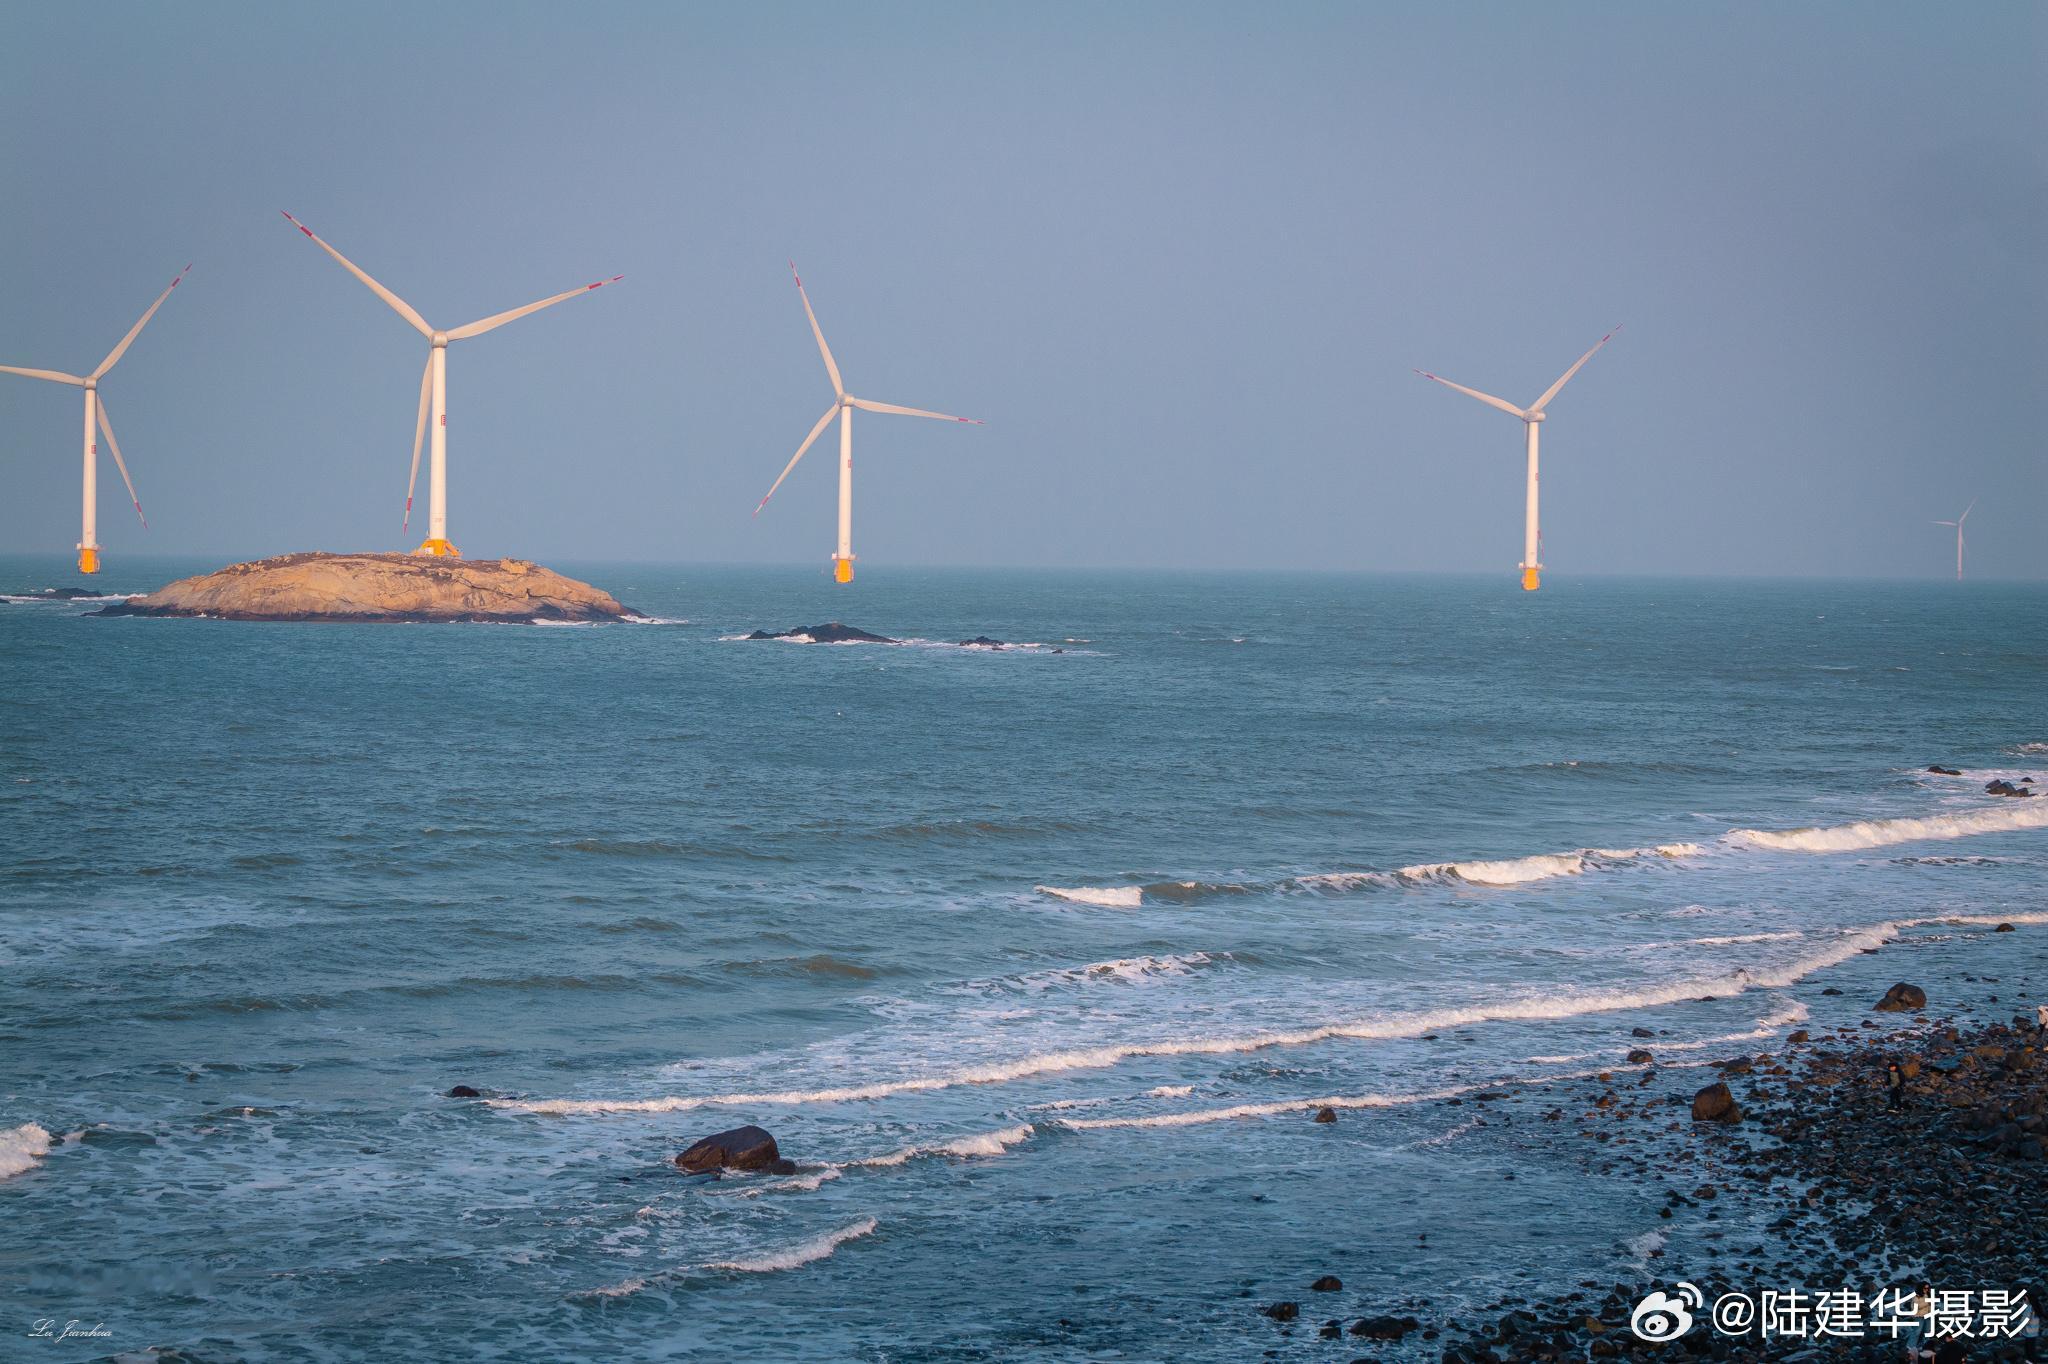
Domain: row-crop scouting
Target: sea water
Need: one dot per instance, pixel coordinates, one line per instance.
(1034, 960)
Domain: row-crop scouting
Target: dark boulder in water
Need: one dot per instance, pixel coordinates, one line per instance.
(982, 642)
(1283, 1311)
(2005, 928)
(1325, 1114)
(1900, 998)
(1715, 1104)
(465, 1092)
(1938, 769)
(1640, 1057)
(831, 632)
(1383, 1328)
(743, 1148)
(1329, 1283)
(58, 594)
(2002, 787)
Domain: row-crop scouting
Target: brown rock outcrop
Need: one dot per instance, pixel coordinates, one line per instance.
(379, 587)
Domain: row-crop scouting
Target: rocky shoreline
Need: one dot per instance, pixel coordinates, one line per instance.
(1791, 1171)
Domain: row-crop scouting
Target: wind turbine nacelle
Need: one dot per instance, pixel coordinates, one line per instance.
(1532, 417)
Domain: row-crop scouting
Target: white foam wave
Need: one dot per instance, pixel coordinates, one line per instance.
(978, 1144)
(1170, 1092)
(1104, 897)
(1264, 1110)
(1128, 970)
(1535, 1008)
(1883, 833)
(1508, 871)
(1738, 939)
(802, 1253)
(804, 1183)
(21, 1147)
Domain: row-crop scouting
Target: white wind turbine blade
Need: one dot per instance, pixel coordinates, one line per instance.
(117, 352)
(1502, 403)
(866, 406)
(816, 431)
(831, 367)
(419, 432)
(54, 376)
(1552, 391)
(1946, 523)
(398, 305)
(1966, 512)
(114, 447)
(489, 323)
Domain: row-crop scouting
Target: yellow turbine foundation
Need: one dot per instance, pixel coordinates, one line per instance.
(439, 549)
(88, 559)
(842, 570)
(1529, 580)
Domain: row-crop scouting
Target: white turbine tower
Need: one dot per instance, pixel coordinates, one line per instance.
(843, 404)
(1532, 418)
(96, 417)
(434, 389)
(1958, 524)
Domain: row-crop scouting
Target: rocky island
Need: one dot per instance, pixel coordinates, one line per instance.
(379, 587)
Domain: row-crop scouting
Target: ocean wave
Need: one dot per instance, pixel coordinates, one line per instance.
(1103, 897)
(21, 1147)
(1200, 1116)
(1513, 871)
(1883, 833)
(976, 1144)
(1537, 1008)
(802, 1253)
(1123, 970)
(808, 1182)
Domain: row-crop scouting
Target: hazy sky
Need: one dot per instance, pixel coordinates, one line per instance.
(1182, 259)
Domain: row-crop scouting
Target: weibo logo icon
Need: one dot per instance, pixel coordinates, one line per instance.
(1664, 1316)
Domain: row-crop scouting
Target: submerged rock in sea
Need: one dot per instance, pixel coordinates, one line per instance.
(55, 594)
(465, 1092)
(982, 642)
(831, 632)
(2002, 787)
(1900, 998)
(1325, 1114)
(378, 587)
(1944, 771)
(742, 1148)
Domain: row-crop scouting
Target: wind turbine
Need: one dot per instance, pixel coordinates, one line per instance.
(96, 416)
(434, 389)
(1958, 524)
(1532, 418)
(843, 404)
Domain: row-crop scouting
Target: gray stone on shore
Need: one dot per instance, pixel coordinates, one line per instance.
(378, 587)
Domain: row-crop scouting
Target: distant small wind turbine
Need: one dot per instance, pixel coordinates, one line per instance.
(96, 415)
(1532, 417)
(434, 389)
(1958, 524)
(843, 404)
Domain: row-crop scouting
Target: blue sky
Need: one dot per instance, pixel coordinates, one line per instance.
(1182, 258)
